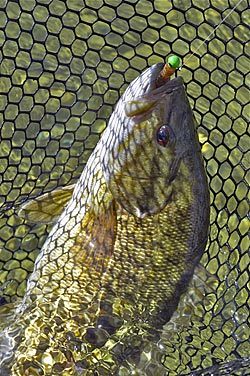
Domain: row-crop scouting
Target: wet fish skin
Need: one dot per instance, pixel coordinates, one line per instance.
(117, 260)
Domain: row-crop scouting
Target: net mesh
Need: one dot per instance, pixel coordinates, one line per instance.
(64, 65)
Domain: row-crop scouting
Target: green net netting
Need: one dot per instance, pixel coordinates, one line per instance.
(63, 67)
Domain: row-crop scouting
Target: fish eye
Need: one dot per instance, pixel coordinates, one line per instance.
(163, 136)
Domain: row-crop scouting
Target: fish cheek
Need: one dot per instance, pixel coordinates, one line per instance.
(142, 187)
(139, 197)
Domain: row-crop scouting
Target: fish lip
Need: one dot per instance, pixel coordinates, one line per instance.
(170, 85)
(145, 86)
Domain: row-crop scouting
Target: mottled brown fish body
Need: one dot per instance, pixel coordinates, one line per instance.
(116, 262)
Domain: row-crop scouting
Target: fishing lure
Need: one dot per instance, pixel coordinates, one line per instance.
(173, 63)
(141, 105)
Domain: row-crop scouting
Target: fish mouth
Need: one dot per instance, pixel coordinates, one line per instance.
(170, 85)
(145, 90)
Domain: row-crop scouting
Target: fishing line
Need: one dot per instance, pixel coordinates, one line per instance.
(204, 41)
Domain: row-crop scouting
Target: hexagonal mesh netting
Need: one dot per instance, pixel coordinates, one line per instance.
(64, 65)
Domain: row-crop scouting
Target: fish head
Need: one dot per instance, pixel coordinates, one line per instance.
(151, 135)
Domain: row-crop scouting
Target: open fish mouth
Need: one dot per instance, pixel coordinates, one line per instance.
(147, 84)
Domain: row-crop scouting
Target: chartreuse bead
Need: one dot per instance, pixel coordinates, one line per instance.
(174, 61)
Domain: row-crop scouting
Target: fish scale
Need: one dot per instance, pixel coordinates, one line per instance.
(114, 266)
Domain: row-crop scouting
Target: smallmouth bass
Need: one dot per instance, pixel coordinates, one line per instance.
(123, 250)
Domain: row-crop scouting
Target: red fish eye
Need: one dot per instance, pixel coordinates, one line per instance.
(163, 136)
